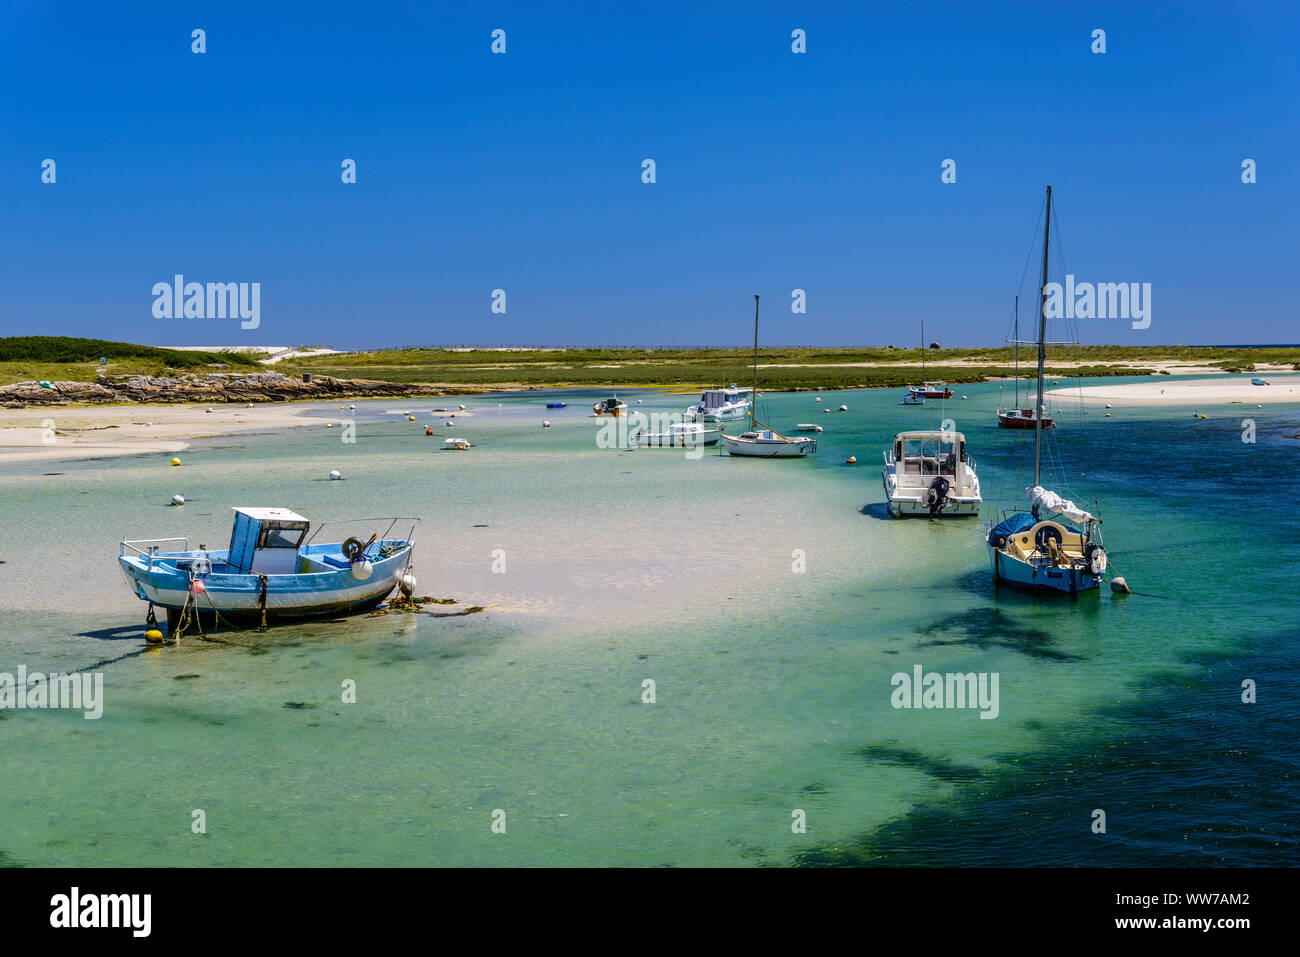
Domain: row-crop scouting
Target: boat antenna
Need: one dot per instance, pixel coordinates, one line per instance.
(1042, 348)
(753, 415)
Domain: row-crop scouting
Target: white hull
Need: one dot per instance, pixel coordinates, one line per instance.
(780, 448)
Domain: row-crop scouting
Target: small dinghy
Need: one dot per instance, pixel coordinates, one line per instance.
(556, 405)
(912, 398)
(271, 569)
(1259, 382)
(683, 435)
(455, 445)
(808, 427)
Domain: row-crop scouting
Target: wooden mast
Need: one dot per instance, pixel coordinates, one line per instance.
(1042, 346)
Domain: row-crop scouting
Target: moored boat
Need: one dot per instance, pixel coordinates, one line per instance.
(929, 473)
(912, 398)
(720, 405)
(761, 442)
(271, 569)
(612, 406)
(682, 435)
(1026, 549)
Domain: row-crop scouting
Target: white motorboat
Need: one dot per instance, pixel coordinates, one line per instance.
(762, 442)
(682, 435)
(929, 473)
(720, 405)
(808, 427)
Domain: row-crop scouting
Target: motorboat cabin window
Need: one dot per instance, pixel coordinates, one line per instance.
(282, 535)
(928, 456)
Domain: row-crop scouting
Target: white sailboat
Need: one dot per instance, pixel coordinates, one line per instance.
(1026, 549)
(761, 442)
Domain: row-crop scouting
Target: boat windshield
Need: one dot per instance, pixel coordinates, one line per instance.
(931, 456)
(281, 534)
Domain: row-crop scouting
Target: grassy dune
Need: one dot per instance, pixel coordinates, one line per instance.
(25, 358)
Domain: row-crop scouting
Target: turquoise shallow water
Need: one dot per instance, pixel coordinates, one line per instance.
(772, 687)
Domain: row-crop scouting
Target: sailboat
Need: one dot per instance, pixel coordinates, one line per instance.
(761, 442)
(1031, 551)
(1017, 417)
(926, 390)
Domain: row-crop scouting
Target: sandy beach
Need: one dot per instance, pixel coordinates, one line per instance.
(64, 432)
(1195, 392)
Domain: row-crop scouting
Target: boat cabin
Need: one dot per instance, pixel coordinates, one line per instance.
(928, 453)
(265, 541)
(711, 400)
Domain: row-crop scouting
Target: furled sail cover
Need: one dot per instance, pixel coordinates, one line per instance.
(1041, 497)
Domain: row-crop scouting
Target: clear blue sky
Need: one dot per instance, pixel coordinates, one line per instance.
(522, 171)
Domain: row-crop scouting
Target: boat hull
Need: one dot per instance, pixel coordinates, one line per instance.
(287, 596)
(1072, 580)
(792, 449)
(1016, 420)
(688, 440)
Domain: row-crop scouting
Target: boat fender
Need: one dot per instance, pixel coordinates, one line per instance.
(1119, 586)
(351, 548)
(196, 587)
(362, 569)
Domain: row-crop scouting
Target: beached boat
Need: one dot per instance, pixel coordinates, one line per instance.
(1259, 382)
(719, 405)
(612, 406)
(1039, 553)
(929, 473)
(682, 435)
(760, 442)
(271, 568)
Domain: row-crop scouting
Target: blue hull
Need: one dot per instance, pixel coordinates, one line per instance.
(1070, 581)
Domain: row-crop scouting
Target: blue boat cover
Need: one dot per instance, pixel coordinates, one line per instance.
(1019, 522)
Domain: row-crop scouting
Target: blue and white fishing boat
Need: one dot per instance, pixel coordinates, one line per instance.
(272, 569)
(1027, 549)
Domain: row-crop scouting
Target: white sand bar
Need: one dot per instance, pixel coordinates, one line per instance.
(1194, 392)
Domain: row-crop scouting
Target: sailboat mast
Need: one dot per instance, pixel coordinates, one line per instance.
(753, 410)
(1016, 338)
(1042, 345)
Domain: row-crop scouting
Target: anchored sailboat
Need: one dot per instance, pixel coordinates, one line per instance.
(761, 442)
(1017, 417)
(1045, 553)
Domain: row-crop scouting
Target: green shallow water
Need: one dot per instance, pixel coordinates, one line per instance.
(773, 688)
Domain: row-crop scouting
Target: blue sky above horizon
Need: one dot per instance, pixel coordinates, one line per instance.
(522, 171)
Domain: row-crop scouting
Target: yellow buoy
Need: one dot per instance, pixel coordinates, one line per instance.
(411, 417)
(176, 461)
(853, 460)
(153, 636)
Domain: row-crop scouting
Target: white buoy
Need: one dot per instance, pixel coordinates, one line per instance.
(1119, 585)
(461, 407)
(1108, 405)
(352, 407)
(963, 397)
(207, 410)
(844, 408)
(638, 401)
(408, 584)
(546, 423)
(178, 499)
(450, 423)
(818, 399)
(335, 475)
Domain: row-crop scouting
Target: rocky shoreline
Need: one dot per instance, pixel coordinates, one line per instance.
(209, 387)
